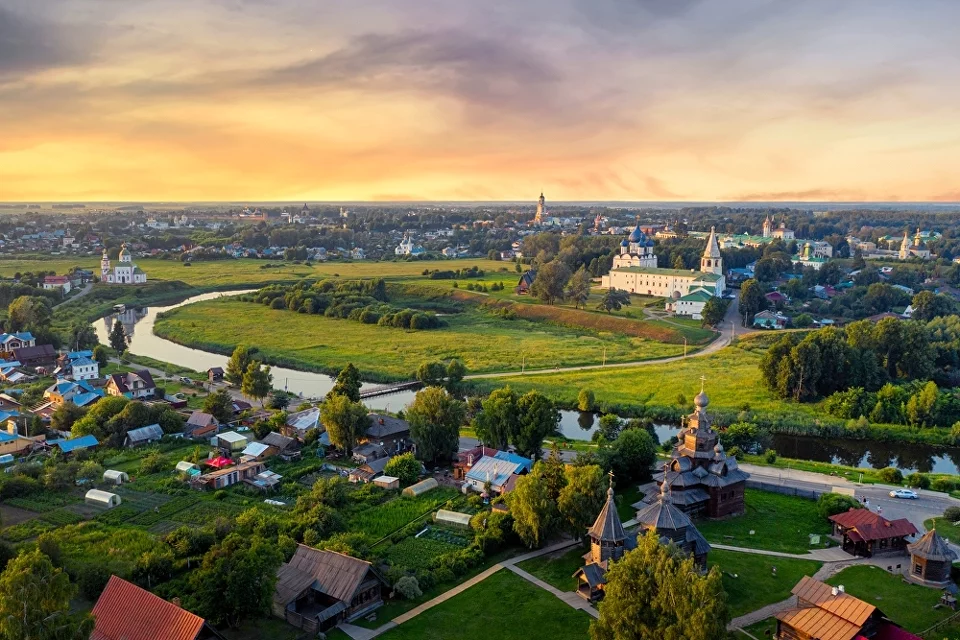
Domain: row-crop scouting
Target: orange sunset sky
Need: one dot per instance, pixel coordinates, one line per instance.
(479, 100)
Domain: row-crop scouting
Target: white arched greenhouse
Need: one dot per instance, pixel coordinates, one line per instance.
(99, 498)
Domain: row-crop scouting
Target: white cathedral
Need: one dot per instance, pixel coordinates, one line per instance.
(635, 270)
(126, 272)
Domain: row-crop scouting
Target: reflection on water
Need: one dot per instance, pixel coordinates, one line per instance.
(871, 455)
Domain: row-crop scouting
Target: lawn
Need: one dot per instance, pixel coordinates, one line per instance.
(909, 605)
(556, 569)
(272, 628)
(625, 498)
(944, 527)
(735, 381)
(756, 585)
(504, 602)
(778, 522)
(484, 342)
(761, 630)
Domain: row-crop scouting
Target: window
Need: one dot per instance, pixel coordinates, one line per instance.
(918, 569)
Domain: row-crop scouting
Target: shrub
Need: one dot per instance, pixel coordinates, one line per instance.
(918, 481)
(952, 514)
(153, 462)
(771, 456)
(891, 475)
(946, 485)
(586, 401)
(831, 504)
(408, 587)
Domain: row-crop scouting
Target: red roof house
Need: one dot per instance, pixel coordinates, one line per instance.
(124, 611)
(866, 533)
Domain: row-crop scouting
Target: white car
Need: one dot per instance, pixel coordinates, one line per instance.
(904, 493)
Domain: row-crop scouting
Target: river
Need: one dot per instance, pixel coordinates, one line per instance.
(574, 425)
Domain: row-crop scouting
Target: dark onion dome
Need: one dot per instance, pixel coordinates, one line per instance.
(625, 243)
(637, 235)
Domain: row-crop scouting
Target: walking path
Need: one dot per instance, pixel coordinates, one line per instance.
(569, 597)
(833, 554)
(359, 633)
(87, 288)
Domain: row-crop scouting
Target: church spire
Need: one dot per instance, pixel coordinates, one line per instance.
(608, 527)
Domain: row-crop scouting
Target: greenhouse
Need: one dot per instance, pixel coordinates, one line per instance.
(115, 477)
(454, 518)
(102, 498)
(421, 487)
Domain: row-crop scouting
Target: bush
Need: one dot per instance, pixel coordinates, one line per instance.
(830, 504)
(771, 456)
(946, 485)
(952, 514)
(918, 481)
(408, 587)
(153, 462)
(890, 475)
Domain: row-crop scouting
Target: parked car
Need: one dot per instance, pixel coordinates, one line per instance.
(185, 380)
(904, 493)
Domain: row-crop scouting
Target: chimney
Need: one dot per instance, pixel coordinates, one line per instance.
(840, 589)
(835, 591)
(381, 420)
(176, 601)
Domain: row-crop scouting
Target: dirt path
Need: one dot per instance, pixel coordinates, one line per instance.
(87, 288)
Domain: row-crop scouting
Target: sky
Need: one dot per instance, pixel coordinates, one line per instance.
(186, 100)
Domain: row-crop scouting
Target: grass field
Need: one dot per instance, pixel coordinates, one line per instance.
(945, 528)
(763, 629)
(756, 585)
(556, 569)
(733, 380)
(909, 605)
(504, 606)
(779, 523)
(482, 341)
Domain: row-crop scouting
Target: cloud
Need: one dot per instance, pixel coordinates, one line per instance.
(813, 195)
(27, 45)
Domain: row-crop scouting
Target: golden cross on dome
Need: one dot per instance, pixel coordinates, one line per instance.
(703, 381)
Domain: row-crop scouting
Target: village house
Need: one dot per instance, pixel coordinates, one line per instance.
(769, 320)
(51, 283)
(703, 480)
(200, 425)
(228, 476)
(466, 459)
(369, 471)
(80, 393)
(67, 447)
(215, 374)
(862, 532)
(317, 590)
(124, 611)
(500, 471)
(134, 385)
(393, 434)
(284, 447)
(143, 435)
(299, 422)
(823, 612)
(525, 282)
(11, 341)
(40, 356)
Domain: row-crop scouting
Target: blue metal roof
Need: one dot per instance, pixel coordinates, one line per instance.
(83, 442)
(514, 458)
(7, 437)
(496, 470)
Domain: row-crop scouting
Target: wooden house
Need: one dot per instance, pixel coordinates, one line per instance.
(134, 385)
(823, 612)
(215, 374)
(862, 532)
(393, 434)
(228, 476)
(124, 611)
(317, 590)
(931, 559)
(525, 282)
(200, 425)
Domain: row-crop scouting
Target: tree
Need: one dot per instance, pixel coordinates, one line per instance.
(100, 355)
(219, 404)
(498, 419)
(65, 415)
(613, 300)
(257, 382)
(456, 372)
(656, 591)
(348, 383)
(238, 364)
(279, 400)
(714, 311)
(751, 300)
(532, 508)
(538, 419)
(90, 471)
(830, 504)
(551, 281)
(405, 466)
(431, 374)
(586, 401)
(578, 289)
(582, 498)
(927, 306)
(435, 418)
(632, 454)
(236, 579)
(83, 336)
(27, 313)
(118, 337)
(35, 602)
(344, 419)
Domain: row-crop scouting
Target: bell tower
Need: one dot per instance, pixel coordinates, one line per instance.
(712, 261)
(105, 267)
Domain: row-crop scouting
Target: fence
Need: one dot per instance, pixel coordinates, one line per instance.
(786, 490)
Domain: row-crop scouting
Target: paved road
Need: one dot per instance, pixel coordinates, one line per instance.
(87, 288)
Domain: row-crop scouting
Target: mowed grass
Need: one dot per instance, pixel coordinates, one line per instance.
(944, 527)
(909, 605)
(556, 569)
(249, 271)
(779, 523)
(733, 380)
(505, 607)
(485, 343)
(755, 584)
(763, 629)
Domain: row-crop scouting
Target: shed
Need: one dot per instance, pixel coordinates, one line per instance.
(102, 498)
(188, 468)
(76, 444)
(144, 435)
(387, 482)
(115, 477)
(231, 441)
(421, 487)
(455, 518)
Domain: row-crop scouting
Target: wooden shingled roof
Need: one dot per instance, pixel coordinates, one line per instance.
(873, 526)
(336, 574)
(124, 611)
(823, 615)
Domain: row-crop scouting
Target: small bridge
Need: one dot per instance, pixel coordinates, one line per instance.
(390, 388)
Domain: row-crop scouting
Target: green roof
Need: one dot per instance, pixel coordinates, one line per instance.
(697, 296)
(677, 273)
